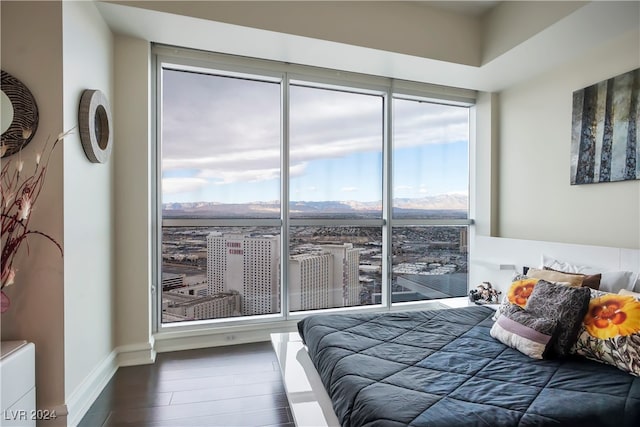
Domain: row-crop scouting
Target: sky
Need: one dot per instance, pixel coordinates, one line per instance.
(221, 143)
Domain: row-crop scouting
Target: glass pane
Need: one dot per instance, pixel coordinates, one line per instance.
(334, 267)
(219, 272)
(430, 160)
(429, 263)
(220, 146)
(335, 154)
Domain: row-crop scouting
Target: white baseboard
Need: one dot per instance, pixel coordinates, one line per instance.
(88, 391)
(79, 402)
(136, 354)
(165, 342)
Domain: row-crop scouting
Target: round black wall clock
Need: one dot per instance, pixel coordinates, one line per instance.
(19, 115)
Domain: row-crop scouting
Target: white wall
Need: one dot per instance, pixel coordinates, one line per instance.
(504, 26)
(483, 172)
(133, 158)
(32, 52)
(536, 201)
(64, 304)
(89, 265)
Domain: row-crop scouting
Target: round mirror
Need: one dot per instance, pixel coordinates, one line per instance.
(19, 115)
(6, 112)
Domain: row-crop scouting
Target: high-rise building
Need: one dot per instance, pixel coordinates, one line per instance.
(345, 288)
(464, 240)
(309, 281)
(216, 262)
(326, 279)
(249, 265)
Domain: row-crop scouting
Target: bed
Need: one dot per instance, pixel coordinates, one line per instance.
(443, 368)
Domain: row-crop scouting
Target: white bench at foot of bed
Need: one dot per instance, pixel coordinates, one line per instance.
(308, 400)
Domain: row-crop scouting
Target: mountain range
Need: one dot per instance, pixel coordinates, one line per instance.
(443, 202)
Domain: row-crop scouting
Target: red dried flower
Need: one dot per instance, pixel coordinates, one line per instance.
(18, 196)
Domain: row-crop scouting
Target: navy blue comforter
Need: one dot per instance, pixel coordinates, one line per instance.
(442, 368)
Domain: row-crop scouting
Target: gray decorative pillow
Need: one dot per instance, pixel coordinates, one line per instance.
(565, 304)
(523, 331)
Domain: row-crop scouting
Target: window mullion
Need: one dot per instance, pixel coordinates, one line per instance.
(156, 287)
(387, 198)
(284, 197)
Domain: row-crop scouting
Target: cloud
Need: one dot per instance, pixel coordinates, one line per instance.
(349, 189)
(182, 185)
(211, 116)
(229, 129)
(298, 169)
(220, 177)
(418, 123)
(306, 190)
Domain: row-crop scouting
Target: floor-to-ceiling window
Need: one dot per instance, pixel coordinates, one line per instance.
(335, 191)
(430, 186)
(285, 189)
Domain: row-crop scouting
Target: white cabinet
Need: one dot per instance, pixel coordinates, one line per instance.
(18, 377)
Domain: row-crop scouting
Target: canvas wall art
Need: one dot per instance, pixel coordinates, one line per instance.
(604, 140)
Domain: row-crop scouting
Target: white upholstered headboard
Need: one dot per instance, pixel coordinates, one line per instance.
(493, 259)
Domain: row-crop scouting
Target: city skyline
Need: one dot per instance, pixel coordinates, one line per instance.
(216, 271)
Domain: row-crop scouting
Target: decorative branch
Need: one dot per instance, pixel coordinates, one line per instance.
(19, 193)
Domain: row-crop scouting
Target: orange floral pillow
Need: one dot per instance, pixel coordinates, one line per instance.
(518, 293)
(610, 332)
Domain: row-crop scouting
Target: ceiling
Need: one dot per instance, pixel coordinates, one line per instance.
(471, 8)
(526, 42)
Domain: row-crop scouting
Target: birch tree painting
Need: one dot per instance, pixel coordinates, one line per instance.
(604, 140)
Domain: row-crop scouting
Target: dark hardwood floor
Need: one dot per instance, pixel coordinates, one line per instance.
(238, 385)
